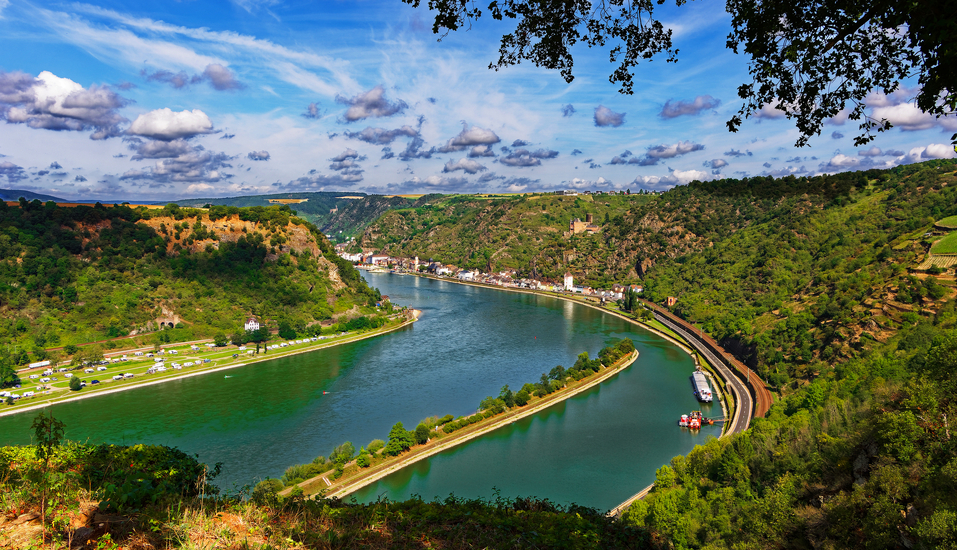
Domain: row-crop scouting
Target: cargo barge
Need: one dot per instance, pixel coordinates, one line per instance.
(701, 388)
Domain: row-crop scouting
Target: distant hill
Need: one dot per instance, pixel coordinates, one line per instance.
(15, 194)
(341, 215)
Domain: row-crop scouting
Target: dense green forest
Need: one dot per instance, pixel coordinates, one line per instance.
(70, 276)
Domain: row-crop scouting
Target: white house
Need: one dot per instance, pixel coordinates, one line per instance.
(569, 282)
(251, 324)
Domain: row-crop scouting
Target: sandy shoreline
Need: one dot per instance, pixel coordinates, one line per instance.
(237, 364)
(452, 441)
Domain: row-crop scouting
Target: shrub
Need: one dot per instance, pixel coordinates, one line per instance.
(521, 398)
(364, 460)
(421, 434)
(374, 445)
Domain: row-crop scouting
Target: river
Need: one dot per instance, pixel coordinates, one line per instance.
(595, 449)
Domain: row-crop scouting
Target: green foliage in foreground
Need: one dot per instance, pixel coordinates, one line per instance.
(166, 500)
(863, 457)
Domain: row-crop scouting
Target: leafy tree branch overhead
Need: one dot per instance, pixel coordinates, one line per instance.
(812, 59)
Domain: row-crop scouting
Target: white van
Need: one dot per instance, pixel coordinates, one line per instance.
(128, 375)
(28, 394)
(88, 370)
(34, 376)
(44, 380)
(69, 375)
(118, 377)
(100, 368)
(48, 372)
(138, 354)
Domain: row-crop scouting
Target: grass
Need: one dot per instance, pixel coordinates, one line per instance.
(58, 389)
(947, 245)
(948, 222)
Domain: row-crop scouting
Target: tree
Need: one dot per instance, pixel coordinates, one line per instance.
(399, 440)
(75, 383)
(507, 396)
(87, 355)
(220, 340)
(421, 434)
(808, 58)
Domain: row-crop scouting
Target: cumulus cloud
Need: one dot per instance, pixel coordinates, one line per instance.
(837, 135)
(387, 153)
(79, 179)
(52, 103)
(716, 164)
(221, 78)
(579, 183)
(55, 165)
(770, 111)
(518, 184)
(568, 110)
(521, 158)
(575, 152)
(165, 124)
(655, 154)
(909, 118)
(788, 171)
(218, 76)
(347, 154)
(430, 184)
(466, 165)
(676, 177)
(520, 143)
(381, 136)
(481, 151)
(673, 109)
(319, 182)
(840, 162)
(155, 149)
(371, 104)
(415, 150)
(197, 165)
(312, 111)
(606, 117)
(874, 151)
(227, 136)
(12, 172)
(470, 137)
(736, 153)
(258, 155)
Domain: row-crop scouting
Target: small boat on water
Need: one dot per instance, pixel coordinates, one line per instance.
(694, 421)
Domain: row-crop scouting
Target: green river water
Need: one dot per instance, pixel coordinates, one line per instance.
(595, 449)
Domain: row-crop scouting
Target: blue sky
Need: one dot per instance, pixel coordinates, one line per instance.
(115, 100)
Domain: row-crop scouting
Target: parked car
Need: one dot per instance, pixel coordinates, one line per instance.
(94, 381)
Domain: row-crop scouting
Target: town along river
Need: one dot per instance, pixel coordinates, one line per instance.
(595, 449)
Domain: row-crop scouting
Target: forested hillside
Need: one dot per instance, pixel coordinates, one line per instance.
(75, 275)
(522, 232)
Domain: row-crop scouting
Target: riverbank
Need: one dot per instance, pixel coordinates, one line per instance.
(362, 478)
(240, 361)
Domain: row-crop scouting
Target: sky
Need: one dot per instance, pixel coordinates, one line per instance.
(160, 101)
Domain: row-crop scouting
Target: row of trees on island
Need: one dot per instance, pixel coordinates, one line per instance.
(401, 440)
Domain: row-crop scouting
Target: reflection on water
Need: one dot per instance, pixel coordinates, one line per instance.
(468, 344)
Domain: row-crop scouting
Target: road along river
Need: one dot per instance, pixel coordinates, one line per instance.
(596, 449)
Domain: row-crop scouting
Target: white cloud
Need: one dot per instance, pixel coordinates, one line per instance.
(53, 103)
(466, 165)
(165, 124)
(908, 117)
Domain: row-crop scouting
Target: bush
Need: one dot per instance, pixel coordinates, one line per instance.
(374, 445)
(421, 434)
(521, 398)
(364, 460)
